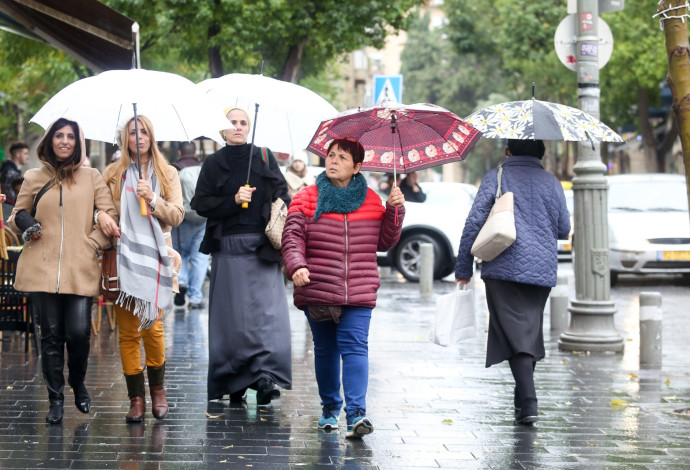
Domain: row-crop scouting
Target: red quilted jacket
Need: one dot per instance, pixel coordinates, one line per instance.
(339, 250)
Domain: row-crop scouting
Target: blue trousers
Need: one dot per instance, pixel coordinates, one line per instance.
(194, 264)
(347, 341)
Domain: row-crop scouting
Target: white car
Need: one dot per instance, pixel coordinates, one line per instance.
(649, 227)
(439, 221)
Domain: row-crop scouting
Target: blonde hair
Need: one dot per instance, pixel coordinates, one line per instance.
(113, 173)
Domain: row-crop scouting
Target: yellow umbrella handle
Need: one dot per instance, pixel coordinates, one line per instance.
(245, 205)
(142, 207)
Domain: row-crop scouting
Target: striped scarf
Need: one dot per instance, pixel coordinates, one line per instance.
(144, 265)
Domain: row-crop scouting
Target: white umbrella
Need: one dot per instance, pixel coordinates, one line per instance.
(542, 120)
(288, 113)
(101, 104)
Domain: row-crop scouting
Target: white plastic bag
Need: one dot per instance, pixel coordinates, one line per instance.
(454, 317)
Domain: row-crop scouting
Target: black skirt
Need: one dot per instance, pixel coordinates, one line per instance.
(516, 319)
(249, 324)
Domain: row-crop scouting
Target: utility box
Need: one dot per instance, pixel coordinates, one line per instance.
(605, 6)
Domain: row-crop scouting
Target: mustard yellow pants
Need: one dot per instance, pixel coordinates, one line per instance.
(130, 342)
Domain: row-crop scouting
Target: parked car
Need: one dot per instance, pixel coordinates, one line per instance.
(439, 221)
(565, 247)
(649, 227)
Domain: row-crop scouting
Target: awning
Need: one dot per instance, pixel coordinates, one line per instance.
(93, 33)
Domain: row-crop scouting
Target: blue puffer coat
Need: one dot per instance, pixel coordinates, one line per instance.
(541, 218)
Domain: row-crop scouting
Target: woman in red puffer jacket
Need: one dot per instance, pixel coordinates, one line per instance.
(332, 233)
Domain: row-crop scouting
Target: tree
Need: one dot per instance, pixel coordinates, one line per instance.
(295, 38)
(630, 82)
(678, 53)
(435, 73)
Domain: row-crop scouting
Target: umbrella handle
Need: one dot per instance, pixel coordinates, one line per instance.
(142, 207)
(245, 205)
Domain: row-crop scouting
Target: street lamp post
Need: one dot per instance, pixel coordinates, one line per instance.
(591, 313)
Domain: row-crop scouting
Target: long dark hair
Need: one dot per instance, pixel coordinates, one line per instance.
(64, 170)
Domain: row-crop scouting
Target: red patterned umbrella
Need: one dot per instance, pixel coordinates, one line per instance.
(400, 138)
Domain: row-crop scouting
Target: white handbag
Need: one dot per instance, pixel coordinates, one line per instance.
(498, 232)
(274, 228)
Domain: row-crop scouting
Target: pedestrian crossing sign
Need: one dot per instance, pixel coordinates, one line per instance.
(388, 88)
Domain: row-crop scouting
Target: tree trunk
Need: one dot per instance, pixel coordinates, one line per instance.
(649, 140)
(215, 61)
(293, 62)
(677, 50)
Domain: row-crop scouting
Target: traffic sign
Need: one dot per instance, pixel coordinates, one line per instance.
(565, 42)
(388, 88)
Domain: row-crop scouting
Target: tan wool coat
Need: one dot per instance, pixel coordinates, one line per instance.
(169, 211)
(65, 259)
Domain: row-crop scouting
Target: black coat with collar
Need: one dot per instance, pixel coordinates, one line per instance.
(222, 174)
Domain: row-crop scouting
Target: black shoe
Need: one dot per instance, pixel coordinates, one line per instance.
(199, 305)
(179, 299)
(82, 400)
(527, 414)
(239, 397)
(266, 391)
(54, 416)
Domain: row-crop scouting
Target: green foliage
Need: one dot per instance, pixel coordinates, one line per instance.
(32, 72)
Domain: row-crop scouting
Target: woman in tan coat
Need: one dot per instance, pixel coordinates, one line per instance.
(59, 262)
(147, 276)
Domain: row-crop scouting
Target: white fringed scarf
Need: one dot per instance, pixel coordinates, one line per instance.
(144, 266)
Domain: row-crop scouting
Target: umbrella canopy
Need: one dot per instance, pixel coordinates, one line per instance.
(541, 120)
(400, 138)
(103, 103)
(288, 113)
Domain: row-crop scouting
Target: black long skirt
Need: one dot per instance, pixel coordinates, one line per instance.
(516, 319)
(249, 325)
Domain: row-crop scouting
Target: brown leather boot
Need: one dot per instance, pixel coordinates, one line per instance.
(159, 404)
(137, 408)
(136, 390)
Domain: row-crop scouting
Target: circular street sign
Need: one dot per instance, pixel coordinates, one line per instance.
(565, 42)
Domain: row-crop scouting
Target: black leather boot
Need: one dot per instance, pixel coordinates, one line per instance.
(54, 416)
(78, 340)
(52, 355)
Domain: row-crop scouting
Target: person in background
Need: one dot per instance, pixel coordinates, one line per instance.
(59, 262)
(519, 280)
(387, 184)
(297, 174)
(147, 262)
(249, 327)
(410, 188)
(11, 169)
(332, 233)
(188, 235)
(7, 206)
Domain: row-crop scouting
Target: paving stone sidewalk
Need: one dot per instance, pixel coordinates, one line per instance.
(432, 407)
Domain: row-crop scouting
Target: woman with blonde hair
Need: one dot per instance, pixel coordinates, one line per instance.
(59, 261)
(147, 277)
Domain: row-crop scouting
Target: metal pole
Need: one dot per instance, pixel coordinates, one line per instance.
(426, 268)
(650, 329)
(591, 313)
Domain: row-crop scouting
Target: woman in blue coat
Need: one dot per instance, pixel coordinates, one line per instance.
(519, 280)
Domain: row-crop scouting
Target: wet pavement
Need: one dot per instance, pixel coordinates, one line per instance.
(432, 407)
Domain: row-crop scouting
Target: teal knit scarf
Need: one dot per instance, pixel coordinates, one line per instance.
(339, 200)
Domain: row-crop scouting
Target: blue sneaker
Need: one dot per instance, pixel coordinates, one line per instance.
(329, 419)
(359, 426)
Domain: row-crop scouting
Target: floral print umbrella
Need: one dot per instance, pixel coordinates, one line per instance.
(400, 138)
(541, 120)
